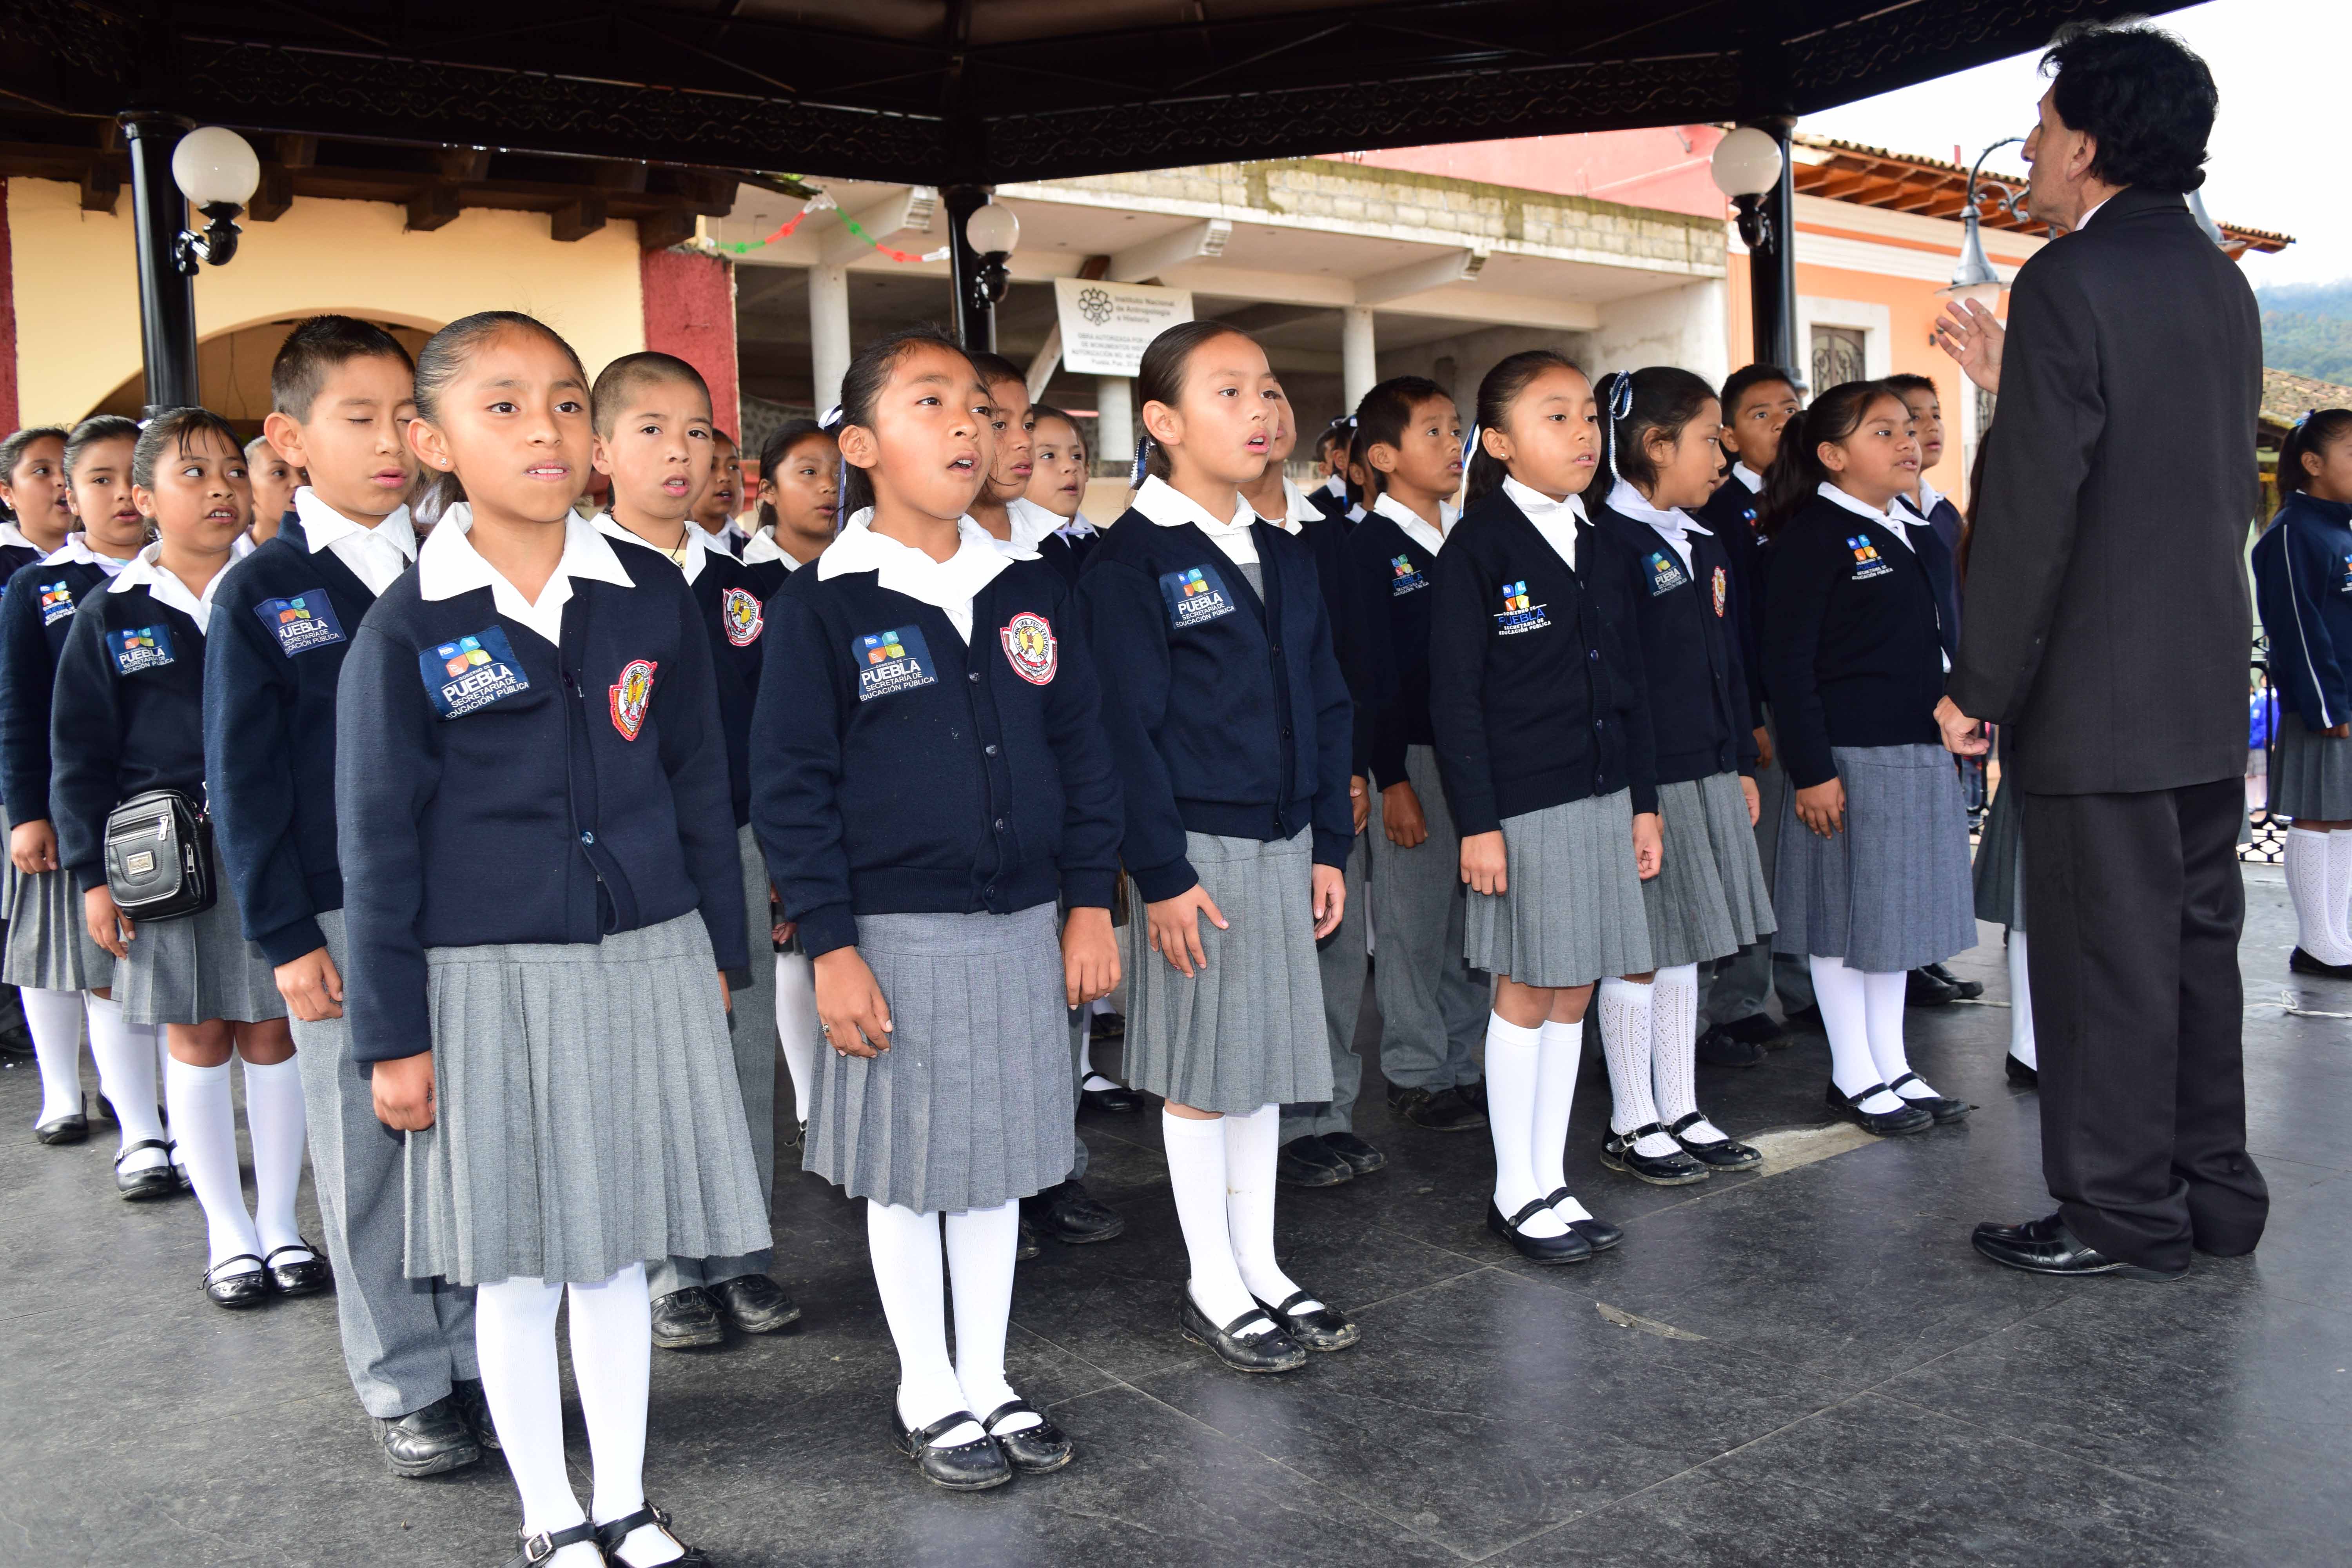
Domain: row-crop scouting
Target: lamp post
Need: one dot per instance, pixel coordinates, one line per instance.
(982, 235)
(1751, 167)
(172, 165)
(1974, 278)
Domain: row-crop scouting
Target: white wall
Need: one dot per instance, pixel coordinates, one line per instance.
(1688, 326)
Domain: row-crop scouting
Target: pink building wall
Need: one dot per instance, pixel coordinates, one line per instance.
(1663, 167)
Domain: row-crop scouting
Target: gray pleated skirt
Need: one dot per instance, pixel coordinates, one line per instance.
(1708, 899)
(1890, 891)
(971, 1106)
(1247, 1030)
(1572, 909)
(588, 1112)
(2312, 776)
(2001, 860)
(50, 946)
(7, 867)
(196, 969)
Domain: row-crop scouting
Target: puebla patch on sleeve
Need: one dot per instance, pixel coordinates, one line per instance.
(740, 613)
(1030, 648)
(890, 662)
(631, 695)
(304, 622)
(139, 647)
(469, 674)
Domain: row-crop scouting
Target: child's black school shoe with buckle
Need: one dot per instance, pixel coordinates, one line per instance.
(535, 1549)
(1944, 1109)
(1674, 1169)
(1726, 1156)
(1598, 1232)
(157, 1181)
(1909, 1117)
(306, 1276)
(1269, 1349)
(1572, 1247)
(73, 1127)
(972, 1467)
(1317, 1328)
(237, 1291)
(1034, 1449)
(610, 1534)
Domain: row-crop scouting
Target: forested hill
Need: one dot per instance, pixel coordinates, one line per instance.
(2307, 328)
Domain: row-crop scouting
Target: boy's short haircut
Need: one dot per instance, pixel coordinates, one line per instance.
(620, 380)
(314, 349)
(994, 368)
(1905, 382)
(1743, 380)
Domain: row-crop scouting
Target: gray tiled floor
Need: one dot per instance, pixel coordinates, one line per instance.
(1847, 1382)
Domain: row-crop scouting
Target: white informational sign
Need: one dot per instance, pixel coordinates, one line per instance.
(1106, 326)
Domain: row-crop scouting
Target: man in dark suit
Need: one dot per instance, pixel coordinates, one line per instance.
(2109, 622)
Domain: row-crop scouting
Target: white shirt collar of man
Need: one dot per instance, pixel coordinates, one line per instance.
(376, 555)
(146, 569)
(1031, 526)
(448, 565)
(1164, 504)
(1416, 527)
(1555, 520)
(948, 587)
(1891, 520)
(696, 547)
(77, 550)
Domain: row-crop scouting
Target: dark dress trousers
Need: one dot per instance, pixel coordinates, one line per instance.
(2108, 621)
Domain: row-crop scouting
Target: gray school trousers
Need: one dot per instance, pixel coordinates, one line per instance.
(1741, 982)
(1343, 962)
(1434, 1005)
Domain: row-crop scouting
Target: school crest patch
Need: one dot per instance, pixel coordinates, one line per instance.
(890, 662)
(1030, 648)
(469, 674)
(56, 602)
(740, 613)
(139, 647)
(301, 622)
(1404, 577)
(1194, 595)
(631, 694)
(1722, 591)
(1866, 564)
(2345, 585)
(1518, 614)
(1664, 570)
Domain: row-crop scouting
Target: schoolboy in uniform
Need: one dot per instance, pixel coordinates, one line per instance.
(714, 509)
(342, 396)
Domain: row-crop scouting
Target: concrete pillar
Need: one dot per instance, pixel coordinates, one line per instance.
(1115, 428)
(1359, 369)
(828, 289)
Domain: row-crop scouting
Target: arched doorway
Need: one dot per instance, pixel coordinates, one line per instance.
(233, 369)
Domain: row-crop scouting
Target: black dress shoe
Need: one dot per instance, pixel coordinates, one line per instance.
(1757, 1029)
(1921, 989)
(473, 1408)
(73, 1127)
(2301, 962)
(686, 1320)
(1674, 1169)
(533, 1550)
(2045, 1246)
(1317, 1328)
(1726, 1156)
(306, 1278)
(1035, 1448)
(1309, 1162)
(1969, 990)
(610, 1534)
(1117, 1100)
(1805, 1017)
(755, 1304)
(2020, 1074)
(1722, 1048)
(237, 1291)
(1437, 1110)
(1026, 1247)
(1908, 1118)
(1599, 1233)
(972, 1467)
(1574, 1247)
(1362, 1157)
(1944, 1109)
(1267, 1349)
(1474, 1093)
(1065, 1212)
(156, 1181)
(1108, 1026)
(430, 1442)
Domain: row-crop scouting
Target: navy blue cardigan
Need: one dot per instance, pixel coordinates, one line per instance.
(1730, 514)
(1688, 622)
(129, 717)
(1388, 580)
(2302, 584)
(1226, 712)
(34, 621)
(532, 812)
(901, 771)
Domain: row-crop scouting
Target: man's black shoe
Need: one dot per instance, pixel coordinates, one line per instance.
(686, 1320)
(1923, 989)
(2046, 1247)
(1806, 1018)
(1108, 1026)
(1309, 1162)
(430, 1442)
(1444, 1111)
(1719, 1048)
(1969, 990)
(1068, 1213)
(1026, 1246)
(1756, 1029)
(1362, 1157)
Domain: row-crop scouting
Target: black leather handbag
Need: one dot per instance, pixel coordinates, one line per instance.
(159, 864)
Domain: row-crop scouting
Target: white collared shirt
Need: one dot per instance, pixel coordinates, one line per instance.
(10, 534)
(716, 538)
(450, 565)
(2085, 222)
(1168, 507)
(763, 548)
(1298, 511)
(376, 556)
(1674, 525)
(696, 549)
(1416, 527)
(1555, 520)
(76, 549)
(1032, 525)
(1335, 486)
(948, 587)
(1925, 502)
(1748, 477)
(1077, 528)
(146, 569)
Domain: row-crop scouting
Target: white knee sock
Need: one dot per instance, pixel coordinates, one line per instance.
(611, 1363)
(1674, 1050)
(906, 1250)
(1843, 1000)
(981, 1243)
(796, 1024)
(1883, 1000)
(206, 1129)
(1253, 1143)
(514, 1337)
(126, 1070)
(53, 1020)
(273, 1115)
(2309, 884)
(1559, 1052)
(2021, 1004)
(2339, 886)
(1197, 1176)
(1513, 1064)
(1625, 1030)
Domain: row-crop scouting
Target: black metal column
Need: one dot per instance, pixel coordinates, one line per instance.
(167, 297)
(975, 318)
(1772, 267)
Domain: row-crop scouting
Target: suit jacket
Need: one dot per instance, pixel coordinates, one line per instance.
(2108, 614)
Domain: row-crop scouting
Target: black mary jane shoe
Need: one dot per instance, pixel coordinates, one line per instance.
(73, 1127)
(1672, 1170)
(1320, 1328)
(2301, 962)
(535, 1549)
(1034, 1449)
(308, 1277)
(1269, 1349)
(972, 1467)
(610, 1535)
(1726, 1156)
(1117, 1100)
(1945, 1111)
(154, 1181)
(2020, 1074)
(234, 1291)
(1908, 1118)
(1599, 1233)
(1572, 1247)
